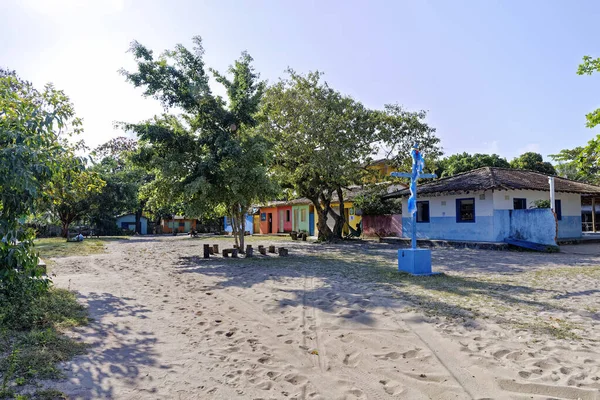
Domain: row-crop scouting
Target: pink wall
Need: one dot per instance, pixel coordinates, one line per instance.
(382, 225)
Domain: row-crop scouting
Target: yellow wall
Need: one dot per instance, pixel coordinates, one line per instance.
(352, 220)
(381, 171)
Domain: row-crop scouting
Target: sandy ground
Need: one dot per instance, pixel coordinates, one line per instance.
(333, 322)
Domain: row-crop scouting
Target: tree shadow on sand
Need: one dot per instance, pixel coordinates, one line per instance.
(115, 351)
(350, 274)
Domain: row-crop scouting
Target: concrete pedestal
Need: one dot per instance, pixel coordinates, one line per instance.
(415, 261)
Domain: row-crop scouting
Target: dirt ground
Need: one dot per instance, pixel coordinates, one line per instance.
(333, 322)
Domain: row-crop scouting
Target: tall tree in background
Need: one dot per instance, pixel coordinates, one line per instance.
(322, 141)
(71, 191)
(533, 162)
(588, 67)
(458, 163)
(567, 165)
(208, 159)
(113, 161)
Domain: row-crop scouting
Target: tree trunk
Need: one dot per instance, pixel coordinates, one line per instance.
(322, 205)
(242, 232)
(138, 221)
(340, 220)
(65, 230)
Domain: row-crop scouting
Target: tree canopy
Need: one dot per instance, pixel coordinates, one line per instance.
(588, 67)
(533, 162)
(208, 159)
(322, 141)
(458, 163)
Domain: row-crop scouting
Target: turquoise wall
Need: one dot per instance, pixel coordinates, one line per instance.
(298, 224)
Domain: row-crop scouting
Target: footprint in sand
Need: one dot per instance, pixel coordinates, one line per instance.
(500, 353)
(296, 379)
(389, 356)
(391, 387)
(351, 359)
(355, 393)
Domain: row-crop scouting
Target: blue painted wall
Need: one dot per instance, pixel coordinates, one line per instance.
(249, 224)
(129, 219)
(446, 228)
(569, 227)
(537, 225)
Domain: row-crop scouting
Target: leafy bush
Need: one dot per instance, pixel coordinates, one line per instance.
(370, 202)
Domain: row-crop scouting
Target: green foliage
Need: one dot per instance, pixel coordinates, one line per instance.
(533, 162)
(541, 204)
(588, 67)
(568, 165)
(71, 191)
(370, 203)
(458, 163)
(35, 353)
(322, 140)
(124, 179)
(209, 159)
(581, 163)
(34, 127)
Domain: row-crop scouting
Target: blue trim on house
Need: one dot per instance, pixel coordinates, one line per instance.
(458, 220)
(569, 227)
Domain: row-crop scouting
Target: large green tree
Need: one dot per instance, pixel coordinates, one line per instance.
(71, 192)
(533, 162)
(34, 128)
(588, 67)
(581, 163)
(457, 163)
(124, 179)
(323, 140)
(208, 159)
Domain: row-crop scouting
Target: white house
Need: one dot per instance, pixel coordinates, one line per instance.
(493, 204)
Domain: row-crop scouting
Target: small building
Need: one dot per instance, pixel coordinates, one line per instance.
(493, 204)
(178, 223)
(127, 222)
(249, 224)
(303, 216)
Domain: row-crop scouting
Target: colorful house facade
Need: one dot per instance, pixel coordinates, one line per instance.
(177, 224)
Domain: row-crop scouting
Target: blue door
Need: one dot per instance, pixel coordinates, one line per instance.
(311, 224)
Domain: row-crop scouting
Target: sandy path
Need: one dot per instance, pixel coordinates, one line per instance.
(169, 325)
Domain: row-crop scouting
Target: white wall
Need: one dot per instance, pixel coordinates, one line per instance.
(570, 202)
(445, 206)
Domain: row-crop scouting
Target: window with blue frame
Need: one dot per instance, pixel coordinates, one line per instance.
(465, 210)
(519, 204)
(422, 211)
(558, 209)
(263, 216)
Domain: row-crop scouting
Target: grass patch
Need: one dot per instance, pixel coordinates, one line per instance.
(59, 247)
(26, 356)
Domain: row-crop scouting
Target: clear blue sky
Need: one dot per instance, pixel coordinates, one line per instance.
(495, 76)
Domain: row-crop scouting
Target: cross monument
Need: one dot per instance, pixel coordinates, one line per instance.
(413, 260)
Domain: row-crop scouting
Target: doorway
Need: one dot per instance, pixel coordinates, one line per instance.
(270, 223)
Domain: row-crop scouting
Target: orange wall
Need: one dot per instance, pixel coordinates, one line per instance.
(264, 225)
(180, 229)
